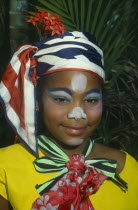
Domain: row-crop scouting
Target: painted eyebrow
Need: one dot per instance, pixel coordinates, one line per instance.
(61, 89)
(94, 90)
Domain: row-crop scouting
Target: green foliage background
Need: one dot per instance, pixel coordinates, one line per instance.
(113, 22)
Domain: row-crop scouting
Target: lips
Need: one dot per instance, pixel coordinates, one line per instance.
(75, 130)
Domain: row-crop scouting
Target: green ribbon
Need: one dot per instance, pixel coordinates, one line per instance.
(58, 163)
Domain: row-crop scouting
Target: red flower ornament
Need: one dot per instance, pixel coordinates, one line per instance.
(33, 20)
(47, 24)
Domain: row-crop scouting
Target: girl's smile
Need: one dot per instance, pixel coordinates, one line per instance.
(75, 131)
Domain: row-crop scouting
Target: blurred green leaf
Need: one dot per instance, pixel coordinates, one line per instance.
(97, 13)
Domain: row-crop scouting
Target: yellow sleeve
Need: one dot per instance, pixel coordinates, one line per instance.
(3, 188)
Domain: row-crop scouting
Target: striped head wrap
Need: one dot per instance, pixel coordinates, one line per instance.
(69, 51)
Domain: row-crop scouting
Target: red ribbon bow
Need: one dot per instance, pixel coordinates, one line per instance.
(72, 190)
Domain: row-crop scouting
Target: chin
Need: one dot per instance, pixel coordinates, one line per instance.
(74, 142)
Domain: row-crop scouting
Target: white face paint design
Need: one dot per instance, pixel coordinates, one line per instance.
(59, 94)
(77, 113)
(78, 83)
(75, 142)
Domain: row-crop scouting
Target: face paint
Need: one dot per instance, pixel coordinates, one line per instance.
(77, 113)
(56, 117)
(75, 142)
(67, 90)
(93, 95)
(78, 83)
(60, 93)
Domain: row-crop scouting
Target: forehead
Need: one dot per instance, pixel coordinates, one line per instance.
(70, 79)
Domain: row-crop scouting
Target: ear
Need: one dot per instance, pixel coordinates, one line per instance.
(37, 106)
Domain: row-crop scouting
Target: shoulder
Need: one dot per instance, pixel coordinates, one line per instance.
(13, 153)
(7, 151)
(102, 151)
(131, 166)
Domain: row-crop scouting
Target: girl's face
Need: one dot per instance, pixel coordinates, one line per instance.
(71, 106)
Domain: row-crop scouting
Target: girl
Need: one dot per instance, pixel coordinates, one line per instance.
(61, 78)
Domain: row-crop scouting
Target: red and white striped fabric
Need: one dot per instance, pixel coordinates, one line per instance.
(19, 106)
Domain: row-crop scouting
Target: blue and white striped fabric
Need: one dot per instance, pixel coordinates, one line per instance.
(71, 51)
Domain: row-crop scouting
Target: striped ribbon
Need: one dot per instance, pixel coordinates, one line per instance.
(58, 163)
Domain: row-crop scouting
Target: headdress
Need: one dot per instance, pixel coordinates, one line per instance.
(69, 51)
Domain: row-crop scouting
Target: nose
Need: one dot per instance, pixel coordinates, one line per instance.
(77, 113)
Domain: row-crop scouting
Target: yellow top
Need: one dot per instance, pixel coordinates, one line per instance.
(18, 179)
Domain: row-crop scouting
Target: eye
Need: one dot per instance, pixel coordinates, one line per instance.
(62, 100)
(92, 100)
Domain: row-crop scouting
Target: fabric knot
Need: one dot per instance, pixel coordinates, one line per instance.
(33, 62)
(33, 75)
(91, 181)
(76, 163)
(33, 71)
(72, 190)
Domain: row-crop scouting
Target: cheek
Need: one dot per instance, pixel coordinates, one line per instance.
(52, 111)
(94, 113)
